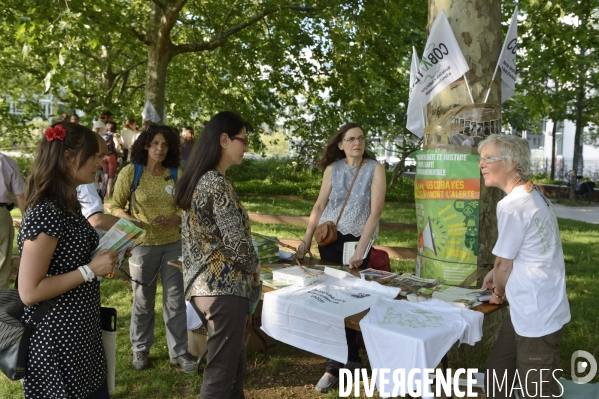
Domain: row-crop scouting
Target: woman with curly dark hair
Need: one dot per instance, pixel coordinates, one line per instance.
(155, 162)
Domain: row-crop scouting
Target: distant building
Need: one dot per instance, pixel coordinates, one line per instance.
(541, 149)
(386, 152)
(50, 107)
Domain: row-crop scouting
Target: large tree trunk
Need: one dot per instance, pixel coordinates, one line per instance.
(160, 50)
(158, 59)
(477, 28)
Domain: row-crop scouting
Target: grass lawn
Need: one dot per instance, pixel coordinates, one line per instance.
(286, 372)
(392, 212)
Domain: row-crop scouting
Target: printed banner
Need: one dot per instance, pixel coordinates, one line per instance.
(447, 191)
(441, 64)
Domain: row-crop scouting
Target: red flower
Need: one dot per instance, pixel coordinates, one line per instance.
(55, 133)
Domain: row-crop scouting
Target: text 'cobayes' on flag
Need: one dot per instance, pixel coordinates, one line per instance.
(441, 64)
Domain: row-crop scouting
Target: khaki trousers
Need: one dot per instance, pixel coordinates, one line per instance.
(7, 233)
(534, 359)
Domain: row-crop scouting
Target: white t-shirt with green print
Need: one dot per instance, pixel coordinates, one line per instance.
(536, 288)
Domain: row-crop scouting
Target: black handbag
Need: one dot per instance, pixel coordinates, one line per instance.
(15, 335)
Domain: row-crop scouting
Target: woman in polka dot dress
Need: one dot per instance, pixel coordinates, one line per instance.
(66, 356)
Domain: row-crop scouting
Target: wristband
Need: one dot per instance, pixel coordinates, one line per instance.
(86, 272)
(497, 296)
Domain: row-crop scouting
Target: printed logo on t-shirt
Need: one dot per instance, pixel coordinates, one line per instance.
(417, 319)
(360, 295)
(549, 235)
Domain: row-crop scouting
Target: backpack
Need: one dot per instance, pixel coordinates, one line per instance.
(139, 169)
(108, 139)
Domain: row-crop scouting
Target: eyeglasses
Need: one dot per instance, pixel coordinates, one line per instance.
(352, 139)
(120, 267)
(240, 139)
(490, 159)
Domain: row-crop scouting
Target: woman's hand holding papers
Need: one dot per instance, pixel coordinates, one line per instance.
(104, 262)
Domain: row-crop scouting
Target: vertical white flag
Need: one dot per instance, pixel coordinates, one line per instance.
(507, 59)
(442, 63)
(415, 122)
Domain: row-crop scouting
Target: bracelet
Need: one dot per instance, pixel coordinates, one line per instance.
(497, 296)
(87, 273)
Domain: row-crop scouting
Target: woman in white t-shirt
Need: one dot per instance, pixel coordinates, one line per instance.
(529, 272)
(127, 139)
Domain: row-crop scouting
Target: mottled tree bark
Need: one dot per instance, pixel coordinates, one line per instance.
(160, 49)
(476, 25)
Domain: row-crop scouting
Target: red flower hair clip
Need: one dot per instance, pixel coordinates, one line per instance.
(55, 133)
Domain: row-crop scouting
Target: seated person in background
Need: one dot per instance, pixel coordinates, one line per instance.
(341, 161)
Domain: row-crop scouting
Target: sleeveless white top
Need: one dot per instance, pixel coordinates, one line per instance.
(357, 209)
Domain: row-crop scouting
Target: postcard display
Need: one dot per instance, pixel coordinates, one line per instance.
(447, 192)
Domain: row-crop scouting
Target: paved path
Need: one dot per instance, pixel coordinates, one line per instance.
(589, 214)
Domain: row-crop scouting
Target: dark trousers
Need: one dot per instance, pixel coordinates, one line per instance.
(101, 393)
(535, 360)
(224, 318)
(124, 160)
(334, 253)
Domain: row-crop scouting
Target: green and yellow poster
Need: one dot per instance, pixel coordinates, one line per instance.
(447, 191)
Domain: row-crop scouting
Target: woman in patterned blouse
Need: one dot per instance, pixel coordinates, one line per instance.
(220, 266)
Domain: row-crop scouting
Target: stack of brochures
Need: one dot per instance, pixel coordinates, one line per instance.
(411, 284)
(456, 296)
(275, 284)
(376, 275)
(268, 251)
(120, 236)
(301, 276)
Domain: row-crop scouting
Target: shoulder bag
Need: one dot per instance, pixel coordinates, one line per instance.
(379, 260)
(15, 335)
(326, 233)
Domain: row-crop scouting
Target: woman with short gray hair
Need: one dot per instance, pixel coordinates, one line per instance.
(529, 271)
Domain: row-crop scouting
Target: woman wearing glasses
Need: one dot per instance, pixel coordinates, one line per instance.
(529, 271)
(156, 153)
(359, 221)
(220, 266)
(66, 356)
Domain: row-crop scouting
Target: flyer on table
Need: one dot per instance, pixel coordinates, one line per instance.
(447, 191)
